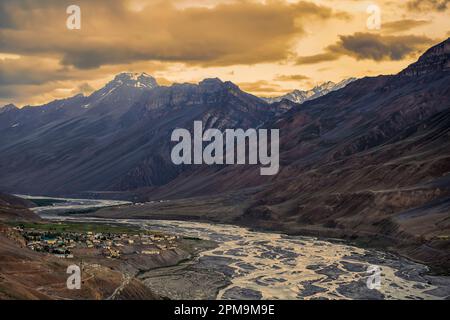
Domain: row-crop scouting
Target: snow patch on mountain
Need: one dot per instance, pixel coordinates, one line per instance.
(136, 80)
(301, 96)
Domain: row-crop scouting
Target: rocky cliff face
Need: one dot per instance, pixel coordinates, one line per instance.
(435, 59)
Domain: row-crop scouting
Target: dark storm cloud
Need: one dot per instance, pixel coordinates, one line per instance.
(26, 71)
(241, 32)
(378, 48)
(371, 46)
(5, 17)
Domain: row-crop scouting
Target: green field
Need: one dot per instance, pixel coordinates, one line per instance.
(61, 227)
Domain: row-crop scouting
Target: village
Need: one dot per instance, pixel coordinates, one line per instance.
(110, 245)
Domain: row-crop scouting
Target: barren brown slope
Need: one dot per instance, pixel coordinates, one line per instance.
(14, 208)
(26, 274)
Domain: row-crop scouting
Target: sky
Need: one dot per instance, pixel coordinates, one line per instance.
(268, 47)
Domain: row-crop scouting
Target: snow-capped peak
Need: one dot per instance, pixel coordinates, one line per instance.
(141, 81)
(137, 80)
(7, 107)
(300, 96)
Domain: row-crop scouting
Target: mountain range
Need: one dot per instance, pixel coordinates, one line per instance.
(117, 138)
(300, 96)
(367, 162)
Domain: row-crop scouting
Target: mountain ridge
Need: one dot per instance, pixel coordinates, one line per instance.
(300, 96)
(124, 108)
(116, 127)
(434, 59)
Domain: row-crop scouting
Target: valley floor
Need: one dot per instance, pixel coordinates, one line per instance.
(245, 264)
(207, 261)
(394, 234)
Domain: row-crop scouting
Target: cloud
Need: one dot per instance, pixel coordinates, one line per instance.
(84, 88)
(403, 25)
(182, 40)
(317, 58)
(378, 48)
(372, 47)
(260, 86)
(242, 32)
(30, 71)
(424, 5)
(26, 94)
(291, 77)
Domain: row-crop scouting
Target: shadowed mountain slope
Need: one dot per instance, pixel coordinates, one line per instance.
(118, 138)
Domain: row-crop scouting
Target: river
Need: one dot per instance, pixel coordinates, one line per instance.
(263, 265)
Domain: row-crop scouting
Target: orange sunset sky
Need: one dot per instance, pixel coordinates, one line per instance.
(266, 47)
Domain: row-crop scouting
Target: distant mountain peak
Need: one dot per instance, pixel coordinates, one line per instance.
(126, 80)
(8, 107)
(211, 80)
(300, 96)
(137, 80)
(211, 83)
(434, 59)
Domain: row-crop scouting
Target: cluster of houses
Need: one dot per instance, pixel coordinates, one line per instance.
(62, 244)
